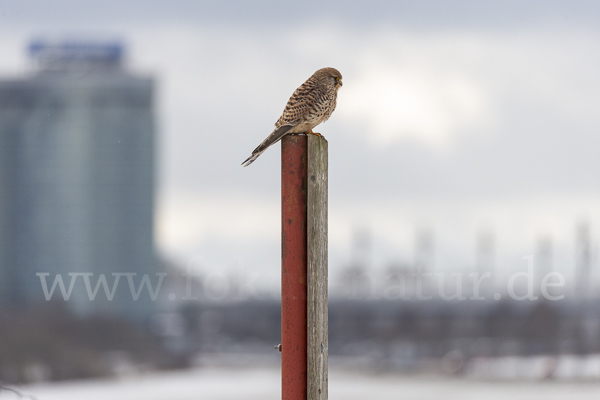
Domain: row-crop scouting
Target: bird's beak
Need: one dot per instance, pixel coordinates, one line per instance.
(340, 83)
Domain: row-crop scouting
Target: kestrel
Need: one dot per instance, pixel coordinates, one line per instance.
(312, 103)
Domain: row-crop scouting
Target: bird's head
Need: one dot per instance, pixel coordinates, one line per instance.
(330, 74)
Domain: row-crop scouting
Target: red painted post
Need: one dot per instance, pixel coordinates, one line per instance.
(294, 150)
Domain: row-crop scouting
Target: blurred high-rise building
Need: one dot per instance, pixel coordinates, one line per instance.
(77, 179)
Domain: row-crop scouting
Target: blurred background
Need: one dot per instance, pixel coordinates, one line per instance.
(139, 260)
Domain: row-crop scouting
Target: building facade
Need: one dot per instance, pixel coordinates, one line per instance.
(77, 180)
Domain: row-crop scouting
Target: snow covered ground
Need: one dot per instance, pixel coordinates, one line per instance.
(263, 383)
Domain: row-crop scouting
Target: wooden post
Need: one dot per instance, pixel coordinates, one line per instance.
(318, 345)
(293, 267)
(304, 330)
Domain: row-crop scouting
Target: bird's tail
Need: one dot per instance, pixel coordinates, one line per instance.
(273, 138)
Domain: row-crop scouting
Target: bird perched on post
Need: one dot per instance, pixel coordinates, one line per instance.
(312, 103)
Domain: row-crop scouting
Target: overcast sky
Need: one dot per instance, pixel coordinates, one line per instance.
(457, 117)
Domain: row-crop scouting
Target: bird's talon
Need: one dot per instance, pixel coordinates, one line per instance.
(314, 133)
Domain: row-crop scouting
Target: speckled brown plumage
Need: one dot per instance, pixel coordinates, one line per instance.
(312, 103)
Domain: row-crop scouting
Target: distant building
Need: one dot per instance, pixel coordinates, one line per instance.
(77, 178)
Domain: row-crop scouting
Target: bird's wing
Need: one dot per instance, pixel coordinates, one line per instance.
(300, 105)
(273, 138)
(298, 108)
